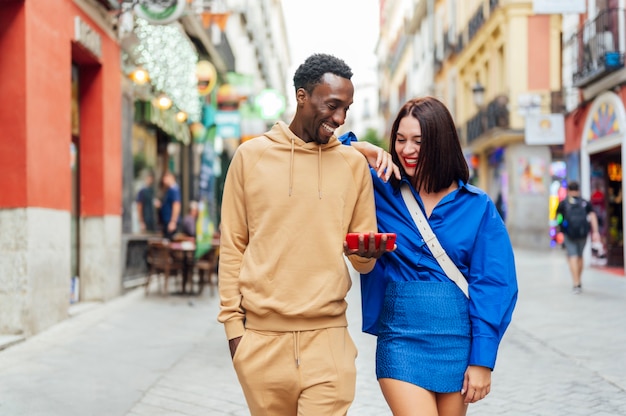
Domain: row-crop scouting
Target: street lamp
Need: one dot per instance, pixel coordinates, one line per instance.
(479, 122)
(478, 92)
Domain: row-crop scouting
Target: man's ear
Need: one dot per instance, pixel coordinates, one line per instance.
(301, 96)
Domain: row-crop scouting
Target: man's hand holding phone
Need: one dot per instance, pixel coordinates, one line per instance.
(369, 245)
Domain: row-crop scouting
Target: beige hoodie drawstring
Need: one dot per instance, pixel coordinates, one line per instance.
(319, 168)
(293, 140)
(319, 171)
(296, 347)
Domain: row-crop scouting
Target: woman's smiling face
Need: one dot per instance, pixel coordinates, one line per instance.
(407, 143)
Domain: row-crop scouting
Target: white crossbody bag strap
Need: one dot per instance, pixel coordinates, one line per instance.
(440, 254)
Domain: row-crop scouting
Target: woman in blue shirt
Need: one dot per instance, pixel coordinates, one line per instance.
(436, 348)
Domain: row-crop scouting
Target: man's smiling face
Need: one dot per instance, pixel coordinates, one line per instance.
(325, 108)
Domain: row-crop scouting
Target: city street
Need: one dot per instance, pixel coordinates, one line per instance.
(148, 356)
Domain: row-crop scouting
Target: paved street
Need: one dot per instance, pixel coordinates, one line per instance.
(564, 354)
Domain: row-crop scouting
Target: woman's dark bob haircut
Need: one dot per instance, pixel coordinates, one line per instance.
(440, 161)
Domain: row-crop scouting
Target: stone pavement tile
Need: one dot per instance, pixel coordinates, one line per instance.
(173, 404)
(8, 340)
(556, 348)
(369, 400)
(203, 378)
(138, 356)
(145, 409)
(103, 361)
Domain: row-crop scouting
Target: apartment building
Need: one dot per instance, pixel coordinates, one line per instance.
(497, 66)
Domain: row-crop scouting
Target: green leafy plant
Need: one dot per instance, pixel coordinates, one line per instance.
(372, 137)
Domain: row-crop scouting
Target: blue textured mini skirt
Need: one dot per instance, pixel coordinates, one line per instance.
(424, 335)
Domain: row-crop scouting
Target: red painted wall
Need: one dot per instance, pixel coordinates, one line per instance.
(539, 52)
(35, 116)
(47, 87)
(112, 130)
(12, 106)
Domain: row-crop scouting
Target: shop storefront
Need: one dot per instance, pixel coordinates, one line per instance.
(602, 146)
(61, 198)
(163, 99)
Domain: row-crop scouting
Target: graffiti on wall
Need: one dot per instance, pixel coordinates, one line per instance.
(531, 171)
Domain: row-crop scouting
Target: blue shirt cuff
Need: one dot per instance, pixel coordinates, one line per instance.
(484, 351)
(348, 137)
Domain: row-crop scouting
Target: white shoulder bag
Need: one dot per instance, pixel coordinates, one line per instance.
(440, 254)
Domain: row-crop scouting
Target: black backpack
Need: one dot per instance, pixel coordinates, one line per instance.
(575, 223)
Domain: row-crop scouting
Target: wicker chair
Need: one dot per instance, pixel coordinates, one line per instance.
(206, 267)
(161, 263)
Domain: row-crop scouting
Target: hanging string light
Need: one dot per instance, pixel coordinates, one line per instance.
(139, 76)
(170, 59)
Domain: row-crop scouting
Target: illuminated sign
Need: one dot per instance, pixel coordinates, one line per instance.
(207, 77)
(270, 104)
(160, 12)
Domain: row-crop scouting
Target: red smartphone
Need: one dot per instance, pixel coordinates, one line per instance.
(353, 240)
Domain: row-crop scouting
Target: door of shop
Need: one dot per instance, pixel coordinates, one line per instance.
(75, 194)
(606, 199)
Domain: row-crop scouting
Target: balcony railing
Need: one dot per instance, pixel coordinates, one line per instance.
(437, 60)
(493, 4)
(595, 48)
(476, 22)
(460, 43)
(495, 115)
(448, 45)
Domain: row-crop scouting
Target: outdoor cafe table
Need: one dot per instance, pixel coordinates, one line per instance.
(187, 250)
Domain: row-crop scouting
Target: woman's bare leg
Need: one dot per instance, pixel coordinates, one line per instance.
(406, 399)
(451, 404)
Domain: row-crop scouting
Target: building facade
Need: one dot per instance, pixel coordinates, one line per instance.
(81, 128)
(493, 63)
(60, 215)
(593, 84)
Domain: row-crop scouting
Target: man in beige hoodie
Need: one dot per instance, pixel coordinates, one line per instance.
(290, 198)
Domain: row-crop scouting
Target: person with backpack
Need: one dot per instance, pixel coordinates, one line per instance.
(576, 217)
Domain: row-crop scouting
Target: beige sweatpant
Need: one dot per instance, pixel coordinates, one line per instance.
(304, 373)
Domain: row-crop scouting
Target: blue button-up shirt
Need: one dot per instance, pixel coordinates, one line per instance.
(475, 238)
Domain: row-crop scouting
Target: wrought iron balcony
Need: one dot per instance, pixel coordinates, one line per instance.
(437, 60)
(493, 4)
(494, 115)
(595, 48)
(448, 43)
(460, 43)
(476, 22)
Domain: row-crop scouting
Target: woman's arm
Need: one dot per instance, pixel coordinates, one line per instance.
(378, 159)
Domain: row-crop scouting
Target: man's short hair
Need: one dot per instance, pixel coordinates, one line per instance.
(310, 72)
(573, 186)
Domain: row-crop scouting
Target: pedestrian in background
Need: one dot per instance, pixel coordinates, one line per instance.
(290, 198)
(170, 205)
(189, 221)
(576, 217)
(436, 348)
(145, 205)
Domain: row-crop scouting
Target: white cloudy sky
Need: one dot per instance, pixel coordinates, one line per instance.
(347, 29)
